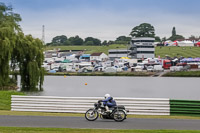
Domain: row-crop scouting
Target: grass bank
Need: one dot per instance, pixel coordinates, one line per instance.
(177, 51)
(89, 49)
(102, 74)
(159, 51)
(69, 130)
(5, 99)
(183, 74)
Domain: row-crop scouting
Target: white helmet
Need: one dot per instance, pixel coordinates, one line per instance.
(107, 96)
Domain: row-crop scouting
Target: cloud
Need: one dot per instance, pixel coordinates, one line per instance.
(106, 20)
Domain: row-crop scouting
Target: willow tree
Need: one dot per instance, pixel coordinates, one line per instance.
(29, 55)
(8, 29)
(21, 50)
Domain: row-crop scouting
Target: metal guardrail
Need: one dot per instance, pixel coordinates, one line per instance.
(137, 106)
(184, 107)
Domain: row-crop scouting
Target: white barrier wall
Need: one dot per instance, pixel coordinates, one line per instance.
(137, 106)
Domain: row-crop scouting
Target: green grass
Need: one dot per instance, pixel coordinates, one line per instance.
(69, 130)
(89, 49)
(177, 51)
(159, 51)
(183, 74)
(5, 99)
(21, 113)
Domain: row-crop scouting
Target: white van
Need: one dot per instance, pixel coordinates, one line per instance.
(158, 68)
(138, 68)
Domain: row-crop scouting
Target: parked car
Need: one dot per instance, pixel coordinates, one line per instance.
(101, 69)
(138, 68)
(150, 69)
(158, 68)
(176, 68)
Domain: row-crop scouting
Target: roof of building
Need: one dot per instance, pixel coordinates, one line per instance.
(96, 54)
(118, 50)
(143, 38)
(85, 55)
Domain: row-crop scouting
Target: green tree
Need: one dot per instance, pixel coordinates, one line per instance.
(89, 43)
(164, 39)
(110, 42)
(94, 41)
(105, 43)
(143, 30)
(71, 39)
(21, 50)
(122, 40)
(9, 27)
(67, 43)
(76, 40)
(97, 41)
(175, 36)
(174, 31)
(192, 37)
(29, 54)
(59, 40)
(157, 39)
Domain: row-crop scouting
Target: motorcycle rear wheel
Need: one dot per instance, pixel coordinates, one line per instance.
(119, 115)
(91, 115)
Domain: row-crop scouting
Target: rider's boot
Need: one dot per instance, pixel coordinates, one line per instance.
(107, 109)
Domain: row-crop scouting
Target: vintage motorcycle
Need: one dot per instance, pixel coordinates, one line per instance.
(118, 113)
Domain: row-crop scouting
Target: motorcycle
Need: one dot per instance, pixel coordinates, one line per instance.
(118, 113)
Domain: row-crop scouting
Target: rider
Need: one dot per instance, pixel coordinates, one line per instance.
(108, 102)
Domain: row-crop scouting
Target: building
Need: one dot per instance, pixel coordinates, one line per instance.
(98, 57)
(85, 57)
(142, 48)
(118, 53)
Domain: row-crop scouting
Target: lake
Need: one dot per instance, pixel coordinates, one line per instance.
(136, 87)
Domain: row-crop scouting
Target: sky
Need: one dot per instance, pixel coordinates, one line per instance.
(106, 19)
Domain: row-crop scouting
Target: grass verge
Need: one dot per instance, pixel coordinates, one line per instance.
(89, 49)
(69, 130)
(183, 74)
(5, 99)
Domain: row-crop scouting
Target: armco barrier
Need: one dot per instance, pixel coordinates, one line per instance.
(184, 107)
(137, 106)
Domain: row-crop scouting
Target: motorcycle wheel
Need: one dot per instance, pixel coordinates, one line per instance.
(91, 115)
(119, 115)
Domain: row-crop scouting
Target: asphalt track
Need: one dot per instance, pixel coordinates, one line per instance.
(81, 122)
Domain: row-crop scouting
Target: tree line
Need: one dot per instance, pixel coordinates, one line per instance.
(142, 30)
(88, 41)
(19, 50)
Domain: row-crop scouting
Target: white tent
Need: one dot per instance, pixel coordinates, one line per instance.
(185, 43)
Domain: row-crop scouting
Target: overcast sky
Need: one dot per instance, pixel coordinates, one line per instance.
(106, 19)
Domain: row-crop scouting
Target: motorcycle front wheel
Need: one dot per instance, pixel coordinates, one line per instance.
(91, 115)
(119, 115)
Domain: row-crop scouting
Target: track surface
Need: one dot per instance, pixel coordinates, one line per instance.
(80, 122)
